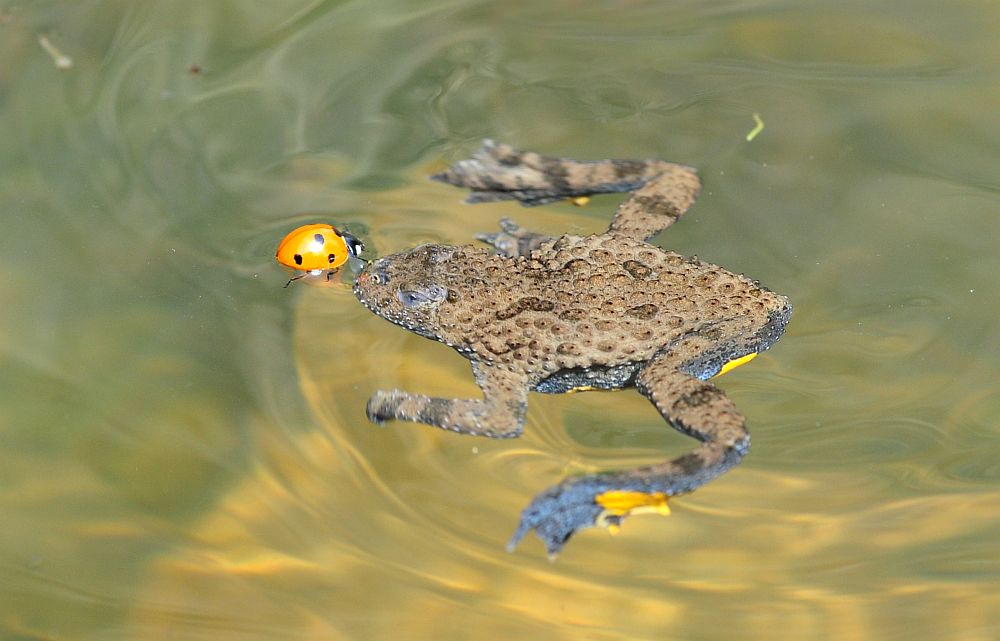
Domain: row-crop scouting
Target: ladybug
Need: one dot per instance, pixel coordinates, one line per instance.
(315, 249)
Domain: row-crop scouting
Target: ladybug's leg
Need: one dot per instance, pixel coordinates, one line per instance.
(303, 275)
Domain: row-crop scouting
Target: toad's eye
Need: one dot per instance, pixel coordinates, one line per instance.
(416, 297)
(410, 299)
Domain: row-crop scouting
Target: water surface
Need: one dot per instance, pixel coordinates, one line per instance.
(183, 447)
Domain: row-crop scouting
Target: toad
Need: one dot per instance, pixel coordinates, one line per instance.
(560, 314)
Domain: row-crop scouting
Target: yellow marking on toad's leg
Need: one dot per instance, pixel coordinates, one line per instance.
(736, 362)
(618, 504)
(580, 201)
(581, 388)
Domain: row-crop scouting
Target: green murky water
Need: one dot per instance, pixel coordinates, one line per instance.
(183, 448)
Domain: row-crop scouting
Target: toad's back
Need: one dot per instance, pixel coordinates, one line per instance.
(585, 302)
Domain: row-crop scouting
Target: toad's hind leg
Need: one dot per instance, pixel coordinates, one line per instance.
(694, 407)
(662, 191)
(658, 203)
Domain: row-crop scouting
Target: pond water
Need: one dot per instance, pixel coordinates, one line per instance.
(184, 452)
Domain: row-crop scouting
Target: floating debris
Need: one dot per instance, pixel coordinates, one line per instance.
(756, 130)
(61, 60)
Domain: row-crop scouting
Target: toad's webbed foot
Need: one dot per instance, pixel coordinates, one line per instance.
(513, 240)
(594, 500)
(558, 513)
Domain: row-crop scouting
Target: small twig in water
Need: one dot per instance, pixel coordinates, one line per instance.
(756, 130)
(61, 60)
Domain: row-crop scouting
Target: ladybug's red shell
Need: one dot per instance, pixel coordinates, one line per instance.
(313, 247)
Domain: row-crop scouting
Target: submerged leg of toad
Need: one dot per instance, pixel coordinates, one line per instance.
(691, 405)
(499, 415)
(661, 191)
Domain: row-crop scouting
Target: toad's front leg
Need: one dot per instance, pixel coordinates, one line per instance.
(500, 414)
(513, 240)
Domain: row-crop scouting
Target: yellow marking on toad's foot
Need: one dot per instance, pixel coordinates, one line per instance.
(618, 504)
(736, 362)
(580, 201)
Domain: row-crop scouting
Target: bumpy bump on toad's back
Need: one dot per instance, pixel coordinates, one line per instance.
(597, 312)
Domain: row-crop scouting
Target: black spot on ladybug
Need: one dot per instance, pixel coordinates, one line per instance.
(319, 238)
(298, 259)
(330, 258)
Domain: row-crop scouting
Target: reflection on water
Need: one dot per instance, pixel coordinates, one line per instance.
(183, 447)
